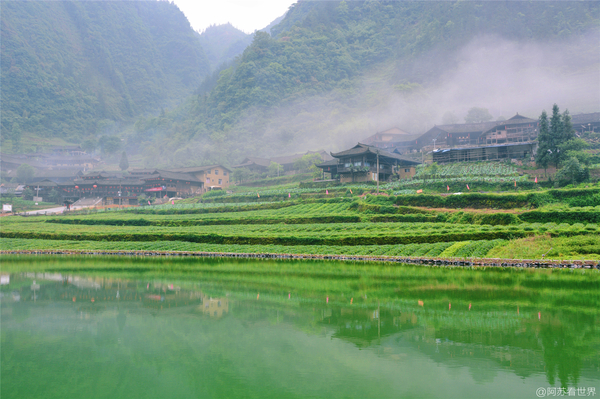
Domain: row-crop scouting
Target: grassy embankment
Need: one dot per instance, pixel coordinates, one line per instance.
(560, 224)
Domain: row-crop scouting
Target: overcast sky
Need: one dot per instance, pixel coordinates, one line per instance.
(246, 15)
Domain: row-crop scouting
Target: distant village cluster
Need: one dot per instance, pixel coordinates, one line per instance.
(389, 154)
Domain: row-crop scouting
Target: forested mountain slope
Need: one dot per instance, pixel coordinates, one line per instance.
(72, 69)
(222, 43)
(329, 64)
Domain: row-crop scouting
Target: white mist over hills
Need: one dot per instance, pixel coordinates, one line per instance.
(507, 77)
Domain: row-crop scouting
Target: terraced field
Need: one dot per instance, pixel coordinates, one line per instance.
(371, 225)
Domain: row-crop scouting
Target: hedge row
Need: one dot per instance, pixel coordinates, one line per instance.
(574, 197)
(570, 217)
(281, 240)
(211, 222)
(234, 208)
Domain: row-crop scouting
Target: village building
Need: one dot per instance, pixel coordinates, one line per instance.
(164, 183)
(446, 136)
(214, 177)
(359, 164)
(84, 162)
(518, 129)
(254, 164)
(55, 175)
(394, 138)
(519, 151)
(586, 122)
(287, 162)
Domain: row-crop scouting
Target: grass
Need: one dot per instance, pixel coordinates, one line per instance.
(545, 246)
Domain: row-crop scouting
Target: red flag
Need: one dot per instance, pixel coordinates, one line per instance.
(148, 202)
(515, 183)
(326, 191)
(350, 191)
(447, 187)
(536, 179)
(468, 187)
(172, 202)
(289, 195)
(258, 195)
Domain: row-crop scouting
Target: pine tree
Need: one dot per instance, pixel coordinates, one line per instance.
(556, 135)
(568, 131)
(542, 157)
(124, 163)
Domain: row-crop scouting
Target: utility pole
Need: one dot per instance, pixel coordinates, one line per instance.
(377, 172)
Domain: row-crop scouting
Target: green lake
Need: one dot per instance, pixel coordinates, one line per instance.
(118, 327)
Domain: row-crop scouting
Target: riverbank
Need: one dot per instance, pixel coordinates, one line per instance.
(526, 263)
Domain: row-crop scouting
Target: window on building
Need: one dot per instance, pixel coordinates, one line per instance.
(216, 171)
(220, 181)
(347, 164)
(224, 173)
(407, 170)
(357, 163)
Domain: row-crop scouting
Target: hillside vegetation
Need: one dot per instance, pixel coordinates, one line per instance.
(73, 69)
(78, 70)
(328, 62)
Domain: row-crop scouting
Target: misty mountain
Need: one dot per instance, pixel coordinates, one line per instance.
(333, 72)
(72, 69)
(222, 43)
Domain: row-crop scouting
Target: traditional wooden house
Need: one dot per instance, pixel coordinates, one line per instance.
(522, 151)
(112, 190)
(213, 176)
(288, 161)
(84, 162)
(518, 129)
(330, 168)
(359, 163)
(393, 138)
(43, 188)
(586, 122)
(171, 184)
(254, 164)
(55, 175)
(445, 136)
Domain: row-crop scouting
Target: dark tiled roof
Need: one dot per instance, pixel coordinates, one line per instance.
(58, 173)
(43, 183)
(331, 162)
(585, 118)
(445, 150)
(142, 171)
(194, 169)
(467, 127)
(367, 149)
(254, 160)
(165, 174)
(290, 159)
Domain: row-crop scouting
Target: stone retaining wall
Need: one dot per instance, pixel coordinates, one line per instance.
(468, 262)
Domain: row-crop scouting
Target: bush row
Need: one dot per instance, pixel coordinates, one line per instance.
(279, 240)
(574, 197)
(570, 217)
(211, 222)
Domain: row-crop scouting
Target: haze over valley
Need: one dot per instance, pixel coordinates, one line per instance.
(324, 76)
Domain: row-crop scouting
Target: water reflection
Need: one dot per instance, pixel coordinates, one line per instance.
(264, 339)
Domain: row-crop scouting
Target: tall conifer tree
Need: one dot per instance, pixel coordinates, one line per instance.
(124, 163)
(542, 157)
(556, 135)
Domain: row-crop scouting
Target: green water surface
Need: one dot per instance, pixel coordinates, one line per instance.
(89, 327)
